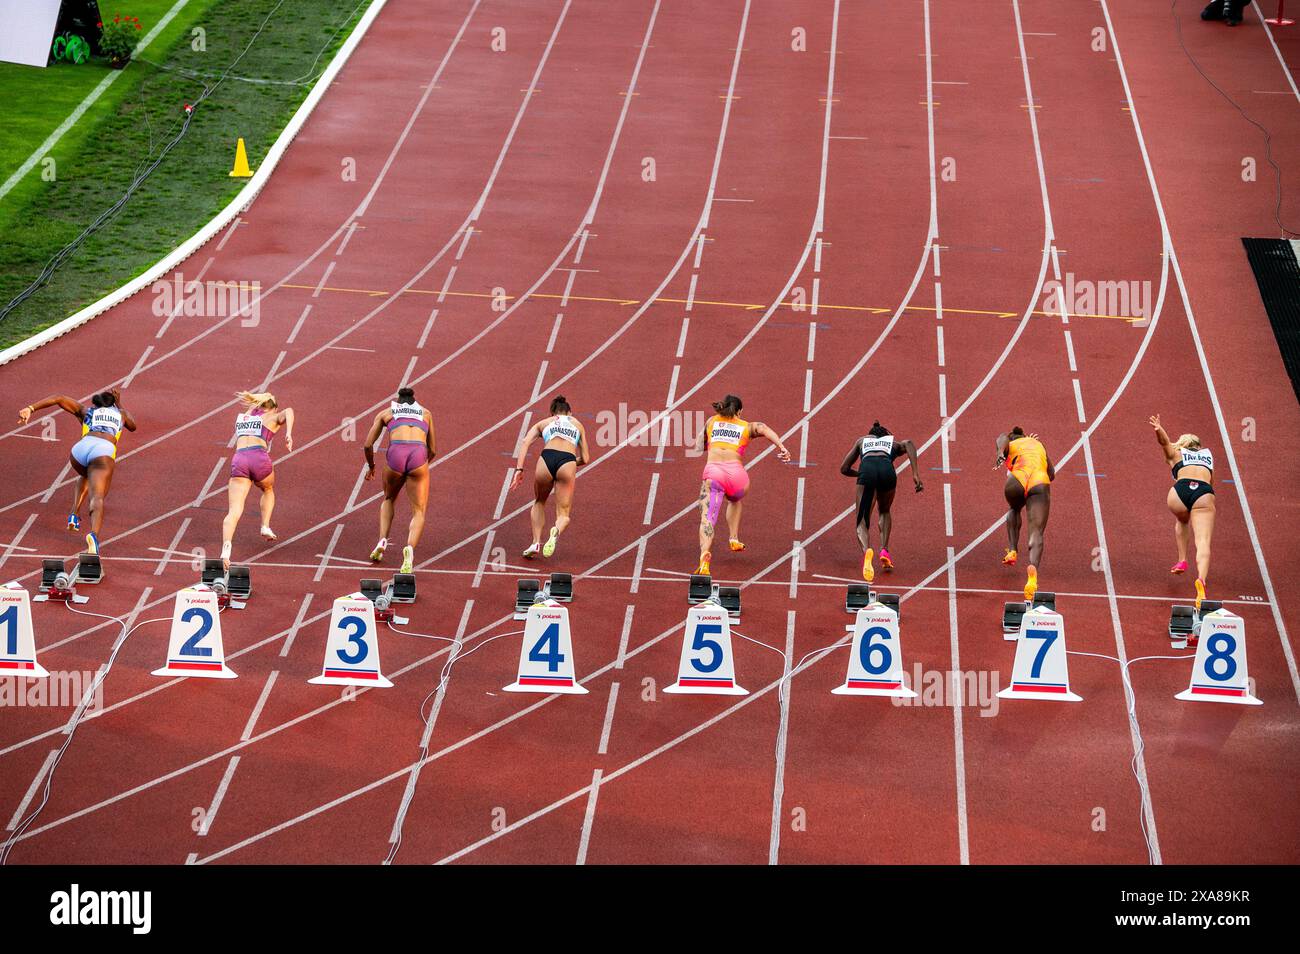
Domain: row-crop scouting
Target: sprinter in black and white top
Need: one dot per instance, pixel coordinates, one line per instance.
(564, 449)
(94, 457)
(1190, 499)
(878, 480)
(410, 448)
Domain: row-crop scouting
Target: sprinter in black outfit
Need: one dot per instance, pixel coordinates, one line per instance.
(875, 455)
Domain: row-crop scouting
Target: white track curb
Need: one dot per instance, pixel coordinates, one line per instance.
(223, 218)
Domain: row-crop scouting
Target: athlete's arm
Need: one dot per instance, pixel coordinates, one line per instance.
(702, 442)
(1051, 469)
(368, 448)
(428, 437)
(846, 468)
(56, 400)
(584, 453)
(287, 416)
(762, 430)
(1171, 455)
(916, 470)
(534, 432)
(1002, 444)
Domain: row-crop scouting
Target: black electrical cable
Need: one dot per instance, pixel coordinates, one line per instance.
(1268, 136)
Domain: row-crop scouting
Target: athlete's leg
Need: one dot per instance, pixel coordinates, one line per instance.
(543, 483)
(863, 526)
(734, 509)
(1038, 506)
(1202, 521)
(565, 483)
(886, 498)
(267, 505)
(237, 492)
(99, 476)
(707, 489)
(388, 506)
(1015, 495)
(417, 492)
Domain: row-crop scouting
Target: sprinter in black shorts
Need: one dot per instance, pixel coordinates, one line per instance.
(877, 480)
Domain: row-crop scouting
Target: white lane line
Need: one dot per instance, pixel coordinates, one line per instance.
(1272, 42)
(608, 725)
(1069, 351)
(171, 548)
(958, 734)
(329, 550)
(582, 244)
(807, 390)
(817, 254)
(637, 567)
(483, 559)
(699, 244)
(126, 383)
(323, 279)
(938, 298)
(681, 341)
(67, 469)
(469, 232)
(588, 817)
(649, 500)
(624, 636)
(798, 504)
(816, 294)
(297, 624)
(356, 487)
(261, 703)
(219, 797)
(270, 375)
(428, 327)
(555, 331)
(31, 791)
(812, 337)
(939, 338)
(537, 385)
(690, 292)
(782, 738)
(505, 488)
(934, 249)
(446, 284)
(12, 545)
(803, 446)
(347, 237)
(238, 221)
(1078, 402)
(207, 484)
(947, 509)
(943, 397)
(568, 289)
(297, 326)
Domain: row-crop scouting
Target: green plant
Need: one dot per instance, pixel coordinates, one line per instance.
(71, 48)
(117, 40)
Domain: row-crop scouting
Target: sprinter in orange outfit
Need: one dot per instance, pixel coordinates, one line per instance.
(1028, 488)
(725, 437)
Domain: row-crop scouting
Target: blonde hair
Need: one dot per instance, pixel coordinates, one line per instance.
(1189, 442)
(252, 399)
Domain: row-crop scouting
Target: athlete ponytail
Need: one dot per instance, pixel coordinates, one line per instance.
(729, 406)
(1015, 432)
(559, 405)
(878, 430)
(406, 396)
(262, 399)
(106, 399)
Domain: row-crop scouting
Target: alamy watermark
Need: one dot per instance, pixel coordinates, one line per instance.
(207, 299)
(1107, 299)
(63, 689)
(633, 427)
(976, 689)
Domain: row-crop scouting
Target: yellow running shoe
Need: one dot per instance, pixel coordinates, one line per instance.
(408, 560)
(703, 568)
(548, 548)
(868, 571)
(1010, 558)
(1200, 594)
(736, 546)
(1031, 584)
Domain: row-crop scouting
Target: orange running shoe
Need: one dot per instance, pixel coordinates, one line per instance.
(868, 571)
(886, 563)
(1200, 593)
(736, 546)
(1010, 558)
(1031, 584)
(703, 568)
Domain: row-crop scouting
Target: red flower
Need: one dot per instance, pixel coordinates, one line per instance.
(100, 24)
(138, 27)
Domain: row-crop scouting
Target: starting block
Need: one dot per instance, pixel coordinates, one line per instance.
(58, 583)
(1013, 613)
(403, 588)
(707, 665)
(352, 648)
(546, 654)
(1041, 669)
(701, 588)
(383, 597)
(195, 647)
(560, 588)
(1220, 673)
(860, 596)
(527, 592)
(17, 638)
(233, 586)
(1185, 623)
(876, 669)
(729, 600)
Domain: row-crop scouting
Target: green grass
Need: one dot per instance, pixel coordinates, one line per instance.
(98, 158)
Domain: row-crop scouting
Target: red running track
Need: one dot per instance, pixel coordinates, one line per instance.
(781, 177)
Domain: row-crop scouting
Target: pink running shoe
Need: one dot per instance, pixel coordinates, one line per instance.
(1179, 567)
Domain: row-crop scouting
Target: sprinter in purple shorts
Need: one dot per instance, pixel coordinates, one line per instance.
(255, 426)
(410, 448)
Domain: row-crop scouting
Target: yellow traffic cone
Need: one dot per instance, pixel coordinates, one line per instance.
(241, 170)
